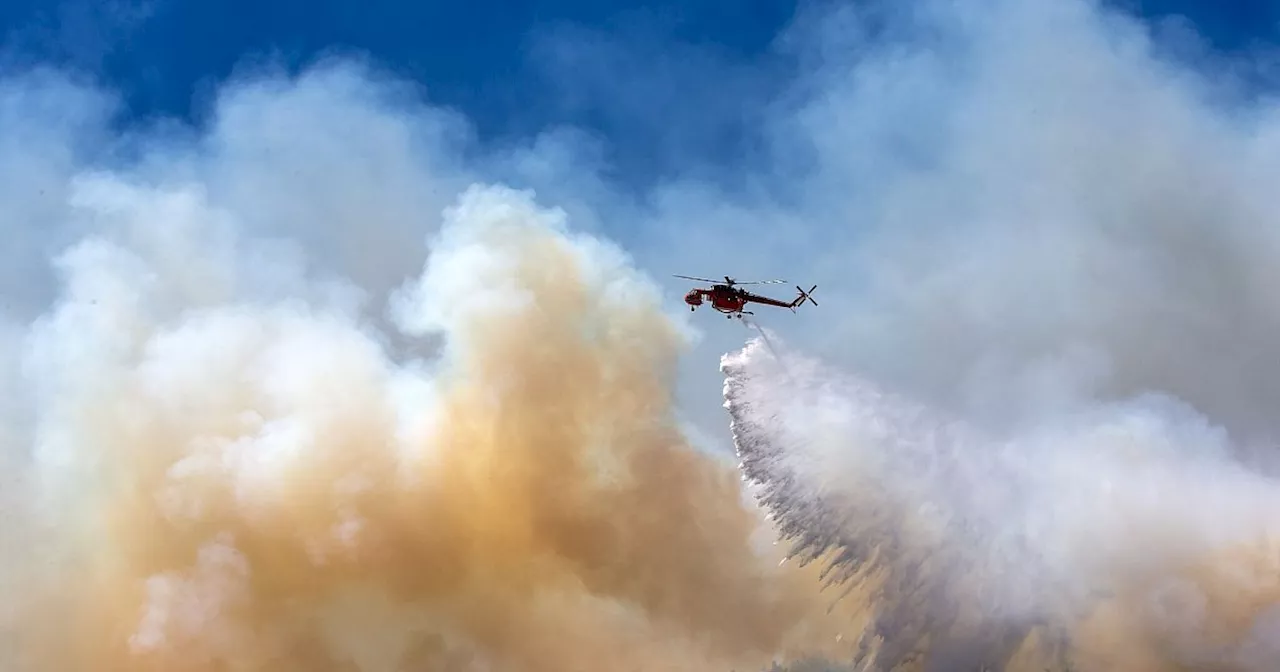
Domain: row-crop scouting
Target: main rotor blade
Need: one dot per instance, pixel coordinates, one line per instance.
(731, 281)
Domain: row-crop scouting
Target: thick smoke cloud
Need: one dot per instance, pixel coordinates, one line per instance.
(229, 469)
(298, 390)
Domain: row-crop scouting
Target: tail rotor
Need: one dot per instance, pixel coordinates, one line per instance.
(804, 296)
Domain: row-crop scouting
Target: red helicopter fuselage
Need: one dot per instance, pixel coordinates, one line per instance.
(722, 298)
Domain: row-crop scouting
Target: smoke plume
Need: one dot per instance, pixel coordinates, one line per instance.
(230, 469)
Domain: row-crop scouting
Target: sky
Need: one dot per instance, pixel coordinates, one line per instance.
(512, 68)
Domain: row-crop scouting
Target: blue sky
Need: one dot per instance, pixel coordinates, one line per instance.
(512, 68)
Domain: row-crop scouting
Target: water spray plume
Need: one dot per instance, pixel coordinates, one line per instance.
(1121, 537)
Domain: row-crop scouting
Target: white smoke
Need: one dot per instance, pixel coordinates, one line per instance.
(1011, 208)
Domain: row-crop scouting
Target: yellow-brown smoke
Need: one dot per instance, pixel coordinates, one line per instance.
(270, 491)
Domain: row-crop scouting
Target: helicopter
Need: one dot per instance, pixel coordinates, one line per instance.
(725, 297)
